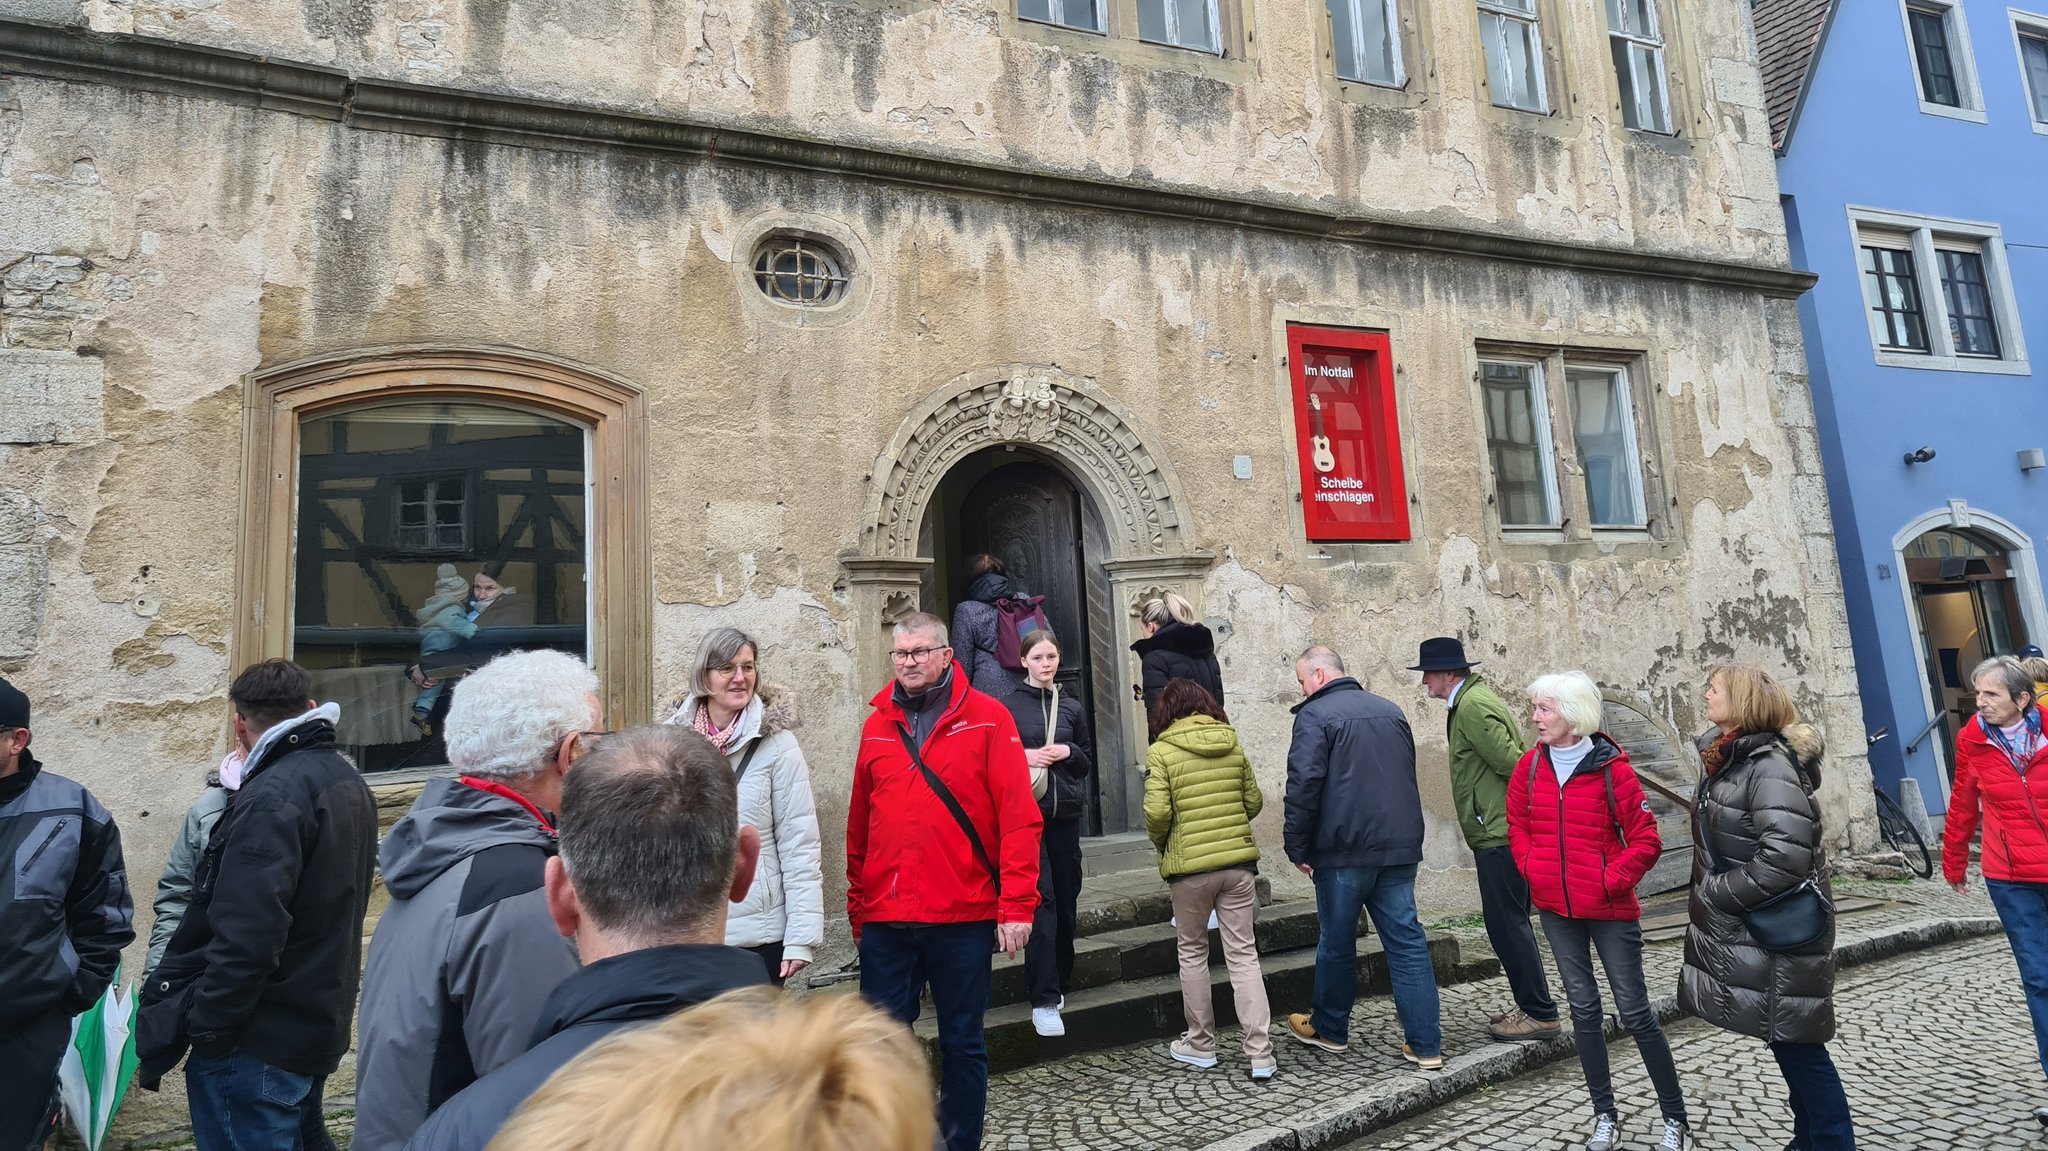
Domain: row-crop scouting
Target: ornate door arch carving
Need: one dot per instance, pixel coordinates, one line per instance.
(1057, 413)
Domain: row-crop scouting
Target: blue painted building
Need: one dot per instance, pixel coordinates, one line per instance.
(1912, 140)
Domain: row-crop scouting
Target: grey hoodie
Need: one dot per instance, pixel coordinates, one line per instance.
(462, 961)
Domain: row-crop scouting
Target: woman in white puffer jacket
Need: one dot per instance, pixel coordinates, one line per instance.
(783, 916)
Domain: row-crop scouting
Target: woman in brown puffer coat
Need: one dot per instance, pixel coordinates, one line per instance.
(1756, 834)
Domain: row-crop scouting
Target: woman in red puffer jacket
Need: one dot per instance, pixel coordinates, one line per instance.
(2002, 769)
(1583, 835)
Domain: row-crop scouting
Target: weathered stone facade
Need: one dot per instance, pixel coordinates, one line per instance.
(1087, 250)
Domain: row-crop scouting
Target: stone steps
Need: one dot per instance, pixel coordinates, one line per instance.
(1154, 949)
(1149, 1007)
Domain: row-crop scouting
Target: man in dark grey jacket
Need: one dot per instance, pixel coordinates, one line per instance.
(1354, 825)
(65, 915)
(651, 851)
(466, 954)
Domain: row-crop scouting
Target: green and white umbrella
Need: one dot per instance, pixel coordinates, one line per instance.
(100, 1063)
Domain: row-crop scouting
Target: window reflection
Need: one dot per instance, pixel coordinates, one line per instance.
(432, 537)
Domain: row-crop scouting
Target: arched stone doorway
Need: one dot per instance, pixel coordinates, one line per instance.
(1972, 590)
(1134, 534)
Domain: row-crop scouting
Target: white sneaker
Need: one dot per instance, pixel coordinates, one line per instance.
(1047, 1021)
(1677, 1137)
(1605, 1128)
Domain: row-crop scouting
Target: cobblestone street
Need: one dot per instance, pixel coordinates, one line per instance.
(1934, 1049)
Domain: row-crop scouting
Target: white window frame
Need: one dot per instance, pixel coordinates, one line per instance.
(1533, 17)
(1962, 57)
(1392, 9)
(2035, 25)
(1545, 446)
(1624, 386)
(1171, 11)
(1927, 234)
(1101, 19)
(1653, 40)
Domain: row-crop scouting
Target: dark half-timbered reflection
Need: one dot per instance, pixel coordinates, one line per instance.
(431, 537)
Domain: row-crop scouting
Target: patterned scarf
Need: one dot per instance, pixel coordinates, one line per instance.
(1715, 755)
(722, 740)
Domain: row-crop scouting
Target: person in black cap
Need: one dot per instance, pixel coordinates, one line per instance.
(65, 915)
(1486, 743)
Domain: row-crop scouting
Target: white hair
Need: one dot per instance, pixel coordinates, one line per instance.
(1574, 696)
(509, 716)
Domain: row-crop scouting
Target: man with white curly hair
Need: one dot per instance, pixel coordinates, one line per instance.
(466, 955)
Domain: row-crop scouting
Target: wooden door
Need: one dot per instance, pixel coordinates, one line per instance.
(1029, 516)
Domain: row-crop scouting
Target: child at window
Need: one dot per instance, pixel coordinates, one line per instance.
(444, 623)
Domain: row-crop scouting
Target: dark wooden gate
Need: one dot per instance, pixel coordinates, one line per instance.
(1029, 516)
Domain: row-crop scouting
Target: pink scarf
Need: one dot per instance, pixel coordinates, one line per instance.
(722, 740)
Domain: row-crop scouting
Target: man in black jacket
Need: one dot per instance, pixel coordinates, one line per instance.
(263, 971)
(1354, 826)
(651, 851)
(65, 914)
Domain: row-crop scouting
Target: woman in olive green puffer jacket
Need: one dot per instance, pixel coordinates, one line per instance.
(1200, 798)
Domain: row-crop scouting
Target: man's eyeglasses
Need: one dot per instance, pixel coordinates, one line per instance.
(914, 655)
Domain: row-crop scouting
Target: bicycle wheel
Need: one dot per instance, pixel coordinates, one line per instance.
(1904, 838)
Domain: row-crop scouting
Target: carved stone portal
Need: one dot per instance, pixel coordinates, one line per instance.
(1056, 413)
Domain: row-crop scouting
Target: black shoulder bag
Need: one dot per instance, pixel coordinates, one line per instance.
(945, 795)
(1788, 921)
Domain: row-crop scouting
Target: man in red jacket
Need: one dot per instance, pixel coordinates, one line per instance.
(941, 857)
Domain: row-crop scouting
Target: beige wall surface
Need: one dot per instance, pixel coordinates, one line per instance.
(159, 248)
(966, 78)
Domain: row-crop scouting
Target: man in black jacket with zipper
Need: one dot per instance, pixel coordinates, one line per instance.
(65, 914)
(264, 969)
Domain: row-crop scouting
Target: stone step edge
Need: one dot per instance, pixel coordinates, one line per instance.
(1460, 970)
(1336, 1122)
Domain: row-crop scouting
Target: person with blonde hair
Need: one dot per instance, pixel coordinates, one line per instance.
(1175, 645)
(1756, 843)
(748, 1071)
(1583, 835)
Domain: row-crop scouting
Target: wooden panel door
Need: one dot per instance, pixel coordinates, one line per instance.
(1029, 516)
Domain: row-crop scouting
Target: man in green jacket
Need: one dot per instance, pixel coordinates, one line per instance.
(1486, 744)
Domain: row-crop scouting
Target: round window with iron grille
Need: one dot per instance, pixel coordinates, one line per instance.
(799, 272)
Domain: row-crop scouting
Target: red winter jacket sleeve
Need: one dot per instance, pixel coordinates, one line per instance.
(1518, 811)
(1960, 827)
(857, 841)
(1638, 824)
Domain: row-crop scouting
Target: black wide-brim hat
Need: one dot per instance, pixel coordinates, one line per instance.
(1442, 654)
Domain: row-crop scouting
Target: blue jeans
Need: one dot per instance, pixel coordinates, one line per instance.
(897, 961)
(1820, 1108)
(1389, 894)
(2023, 908)
(240, 1103)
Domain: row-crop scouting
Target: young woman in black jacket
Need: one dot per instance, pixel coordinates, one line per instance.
(1054, 728)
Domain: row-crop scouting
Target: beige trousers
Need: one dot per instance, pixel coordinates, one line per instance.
(1232, 895)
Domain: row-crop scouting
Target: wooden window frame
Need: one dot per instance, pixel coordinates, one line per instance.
(276, 401)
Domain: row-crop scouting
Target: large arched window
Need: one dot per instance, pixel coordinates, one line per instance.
(424, 511)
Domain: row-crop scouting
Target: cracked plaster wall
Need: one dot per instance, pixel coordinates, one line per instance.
(266, 238)
(965, 78)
